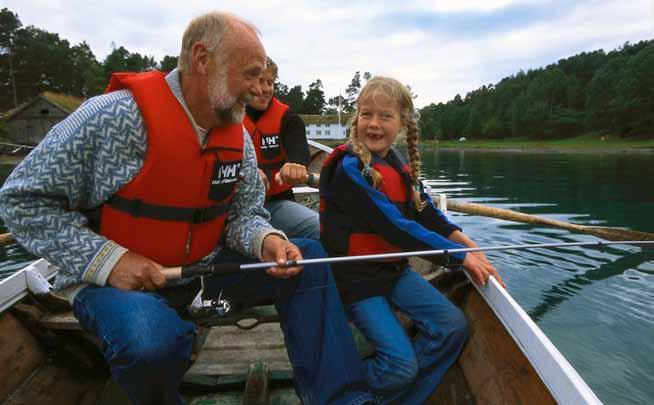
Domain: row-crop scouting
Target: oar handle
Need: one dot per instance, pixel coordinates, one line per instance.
(6, 239)
(313, 179)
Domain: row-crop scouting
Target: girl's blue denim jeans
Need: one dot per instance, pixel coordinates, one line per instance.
(148, 346)
(404, 371)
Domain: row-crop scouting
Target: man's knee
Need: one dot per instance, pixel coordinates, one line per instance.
(163, 345)
(153, 337)
(310, 228)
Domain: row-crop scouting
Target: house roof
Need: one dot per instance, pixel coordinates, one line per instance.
(63, 102)
(325, 119)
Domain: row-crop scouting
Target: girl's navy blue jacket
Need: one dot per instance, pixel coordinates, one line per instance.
(356, 218)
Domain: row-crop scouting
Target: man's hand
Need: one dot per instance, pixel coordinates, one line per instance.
(291, 173)
(277, 249)
(264, 178)
(480, 269)
(135, 272)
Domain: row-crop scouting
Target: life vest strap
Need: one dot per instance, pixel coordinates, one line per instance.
(138, 208)
(271, 166)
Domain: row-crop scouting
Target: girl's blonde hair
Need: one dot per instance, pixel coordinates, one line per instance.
(401, 95)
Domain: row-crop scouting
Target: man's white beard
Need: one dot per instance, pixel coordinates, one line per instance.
(226, 107)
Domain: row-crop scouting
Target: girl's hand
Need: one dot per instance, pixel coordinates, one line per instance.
(481, 256)
(480, 269)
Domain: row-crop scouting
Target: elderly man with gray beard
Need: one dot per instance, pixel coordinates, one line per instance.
(159, 172)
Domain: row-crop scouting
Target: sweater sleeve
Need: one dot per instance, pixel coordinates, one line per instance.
(81, 162)
(371, 208)
(294, 138)
(247, 220)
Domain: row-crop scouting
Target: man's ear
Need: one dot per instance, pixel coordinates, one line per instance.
(200, 57)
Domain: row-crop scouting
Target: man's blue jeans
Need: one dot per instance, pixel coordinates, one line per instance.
(296, 220)
(402, 371)
(148, 346)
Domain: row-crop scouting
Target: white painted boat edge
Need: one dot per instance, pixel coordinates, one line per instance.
(563, 381)
(15, 287)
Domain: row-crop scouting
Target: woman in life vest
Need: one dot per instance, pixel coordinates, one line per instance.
(372, 202)
(280, 140)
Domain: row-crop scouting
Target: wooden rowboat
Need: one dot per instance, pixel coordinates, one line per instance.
(47, 358)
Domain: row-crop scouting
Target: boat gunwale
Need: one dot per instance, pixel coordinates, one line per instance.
(16, 287)
(560, 377)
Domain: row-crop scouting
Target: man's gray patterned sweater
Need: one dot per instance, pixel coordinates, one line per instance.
(80, 164)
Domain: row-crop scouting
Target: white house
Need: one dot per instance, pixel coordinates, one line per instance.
(325, 126)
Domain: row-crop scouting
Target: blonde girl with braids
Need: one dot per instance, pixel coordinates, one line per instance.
(373, 202)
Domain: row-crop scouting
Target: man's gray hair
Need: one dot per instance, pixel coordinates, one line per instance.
(208, 29)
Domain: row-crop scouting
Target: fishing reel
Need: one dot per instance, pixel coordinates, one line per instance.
(201, 308)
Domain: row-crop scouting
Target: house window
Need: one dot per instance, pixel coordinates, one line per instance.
(45, 111)
(308, 132)
(318, 132)
(327, 132)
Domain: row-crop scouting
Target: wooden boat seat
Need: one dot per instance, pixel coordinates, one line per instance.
(246, 319)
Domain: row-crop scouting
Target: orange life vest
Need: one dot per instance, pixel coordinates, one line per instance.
(271, 155)
(174, 210)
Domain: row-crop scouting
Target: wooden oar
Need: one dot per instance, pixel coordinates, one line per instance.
(615, 234)
(6, 239)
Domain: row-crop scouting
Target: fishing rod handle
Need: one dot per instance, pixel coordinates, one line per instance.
(174, 273)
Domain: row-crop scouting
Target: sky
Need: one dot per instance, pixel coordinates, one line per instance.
(439, 48)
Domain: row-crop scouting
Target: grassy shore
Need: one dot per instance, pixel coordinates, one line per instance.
(588, 142)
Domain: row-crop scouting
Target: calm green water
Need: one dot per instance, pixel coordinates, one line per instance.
(596, 307)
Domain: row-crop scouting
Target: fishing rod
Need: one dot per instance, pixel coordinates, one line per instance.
(231, 268)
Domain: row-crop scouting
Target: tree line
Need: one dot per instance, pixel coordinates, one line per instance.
(33, 60)
(609, 93)
(596, 91)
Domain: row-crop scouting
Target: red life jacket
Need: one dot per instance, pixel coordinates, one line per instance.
(271, 155)
(174, 210)
(341, 234)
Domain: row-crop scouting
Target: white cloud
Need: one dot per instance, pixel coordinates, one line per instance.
(445, 6)
(331, 41)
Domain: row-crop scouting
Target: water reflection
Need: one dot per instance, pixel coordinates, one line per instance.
(568, 288)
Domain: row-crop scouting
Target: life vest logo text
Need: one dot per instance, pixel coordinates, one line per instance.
(226, 173)
(269, 142)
